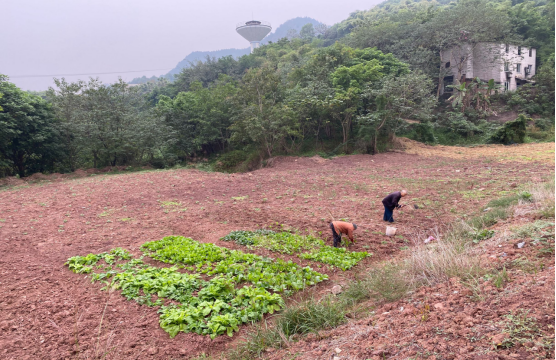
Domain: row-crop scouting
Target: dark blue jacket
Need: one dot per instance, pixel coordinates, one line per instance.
(392, 200)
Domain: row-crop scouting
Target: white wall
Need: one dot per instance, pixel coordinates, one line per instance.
(486, 61)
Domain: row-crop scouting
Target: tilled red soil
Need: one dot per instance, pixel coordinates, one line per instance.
(454, 320)
(47, 312)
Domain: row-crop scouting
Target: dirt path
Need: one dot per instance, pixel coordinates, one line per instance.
(47, 312)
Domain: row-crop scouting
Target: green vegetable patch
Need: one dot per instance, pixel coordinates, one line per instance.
(288, 243)
(240, 287)
(338, 257)
(282, 242)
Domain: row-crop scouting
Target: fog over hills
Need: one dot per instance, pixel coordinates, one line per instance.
(275, 35)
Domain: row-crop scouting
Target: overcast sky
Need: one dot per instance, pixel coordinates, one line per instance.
(51, 37)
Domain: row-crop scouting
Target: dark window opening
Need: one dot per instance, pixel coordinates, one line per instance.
(519, 50)
(447, 64)
(518, 68)
(507, 48)
(530, 52)
(448, 80)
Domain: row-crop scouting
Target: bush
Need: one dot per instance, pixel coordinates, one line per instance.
(424, 132)
(512, 132)
(229, 161)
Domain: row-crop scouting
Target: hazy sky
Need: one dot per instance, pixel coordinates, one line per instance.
(51, 37)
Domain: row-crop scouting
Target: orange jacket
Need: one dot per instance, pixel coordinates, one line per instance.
(342, 227)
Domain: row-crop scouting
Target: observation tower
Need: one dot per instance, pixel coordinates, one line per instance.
(254, 31)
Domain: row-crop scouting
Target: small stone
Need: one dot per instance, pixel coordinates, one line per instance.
(152, 351)
(336, 289)
(439, 306)
(338, 350)
(335, 358)
(520, 245)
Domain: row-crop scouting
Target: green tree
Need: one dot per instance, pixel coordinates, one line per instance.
(307, 32)
(201, 117)
(397, 99)
(29, 140)
(67, 104)
(262, 117)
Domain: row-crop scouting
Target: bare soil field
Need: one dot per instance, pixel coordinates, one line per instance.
(48, 312)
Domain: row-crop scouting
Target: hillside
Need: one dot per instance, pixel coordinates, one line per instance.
(280, 32)
(75, 214)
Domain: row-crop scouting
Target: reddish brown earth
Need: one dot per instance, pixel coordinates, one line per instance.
(47, 312)
(452, 320)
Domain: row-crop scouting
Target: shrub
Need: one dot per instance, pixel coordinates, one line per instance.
(229, 161)
(512, 132)
(424, 132)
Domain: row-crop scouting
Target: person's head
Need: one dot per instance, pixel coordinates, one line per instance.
(403, 192)
(354, 226)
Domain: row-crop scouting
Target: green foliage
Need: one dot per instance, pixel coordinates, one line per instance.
(288, 243)
(512, 132)
(338, 257)
(424, 132)
(489, 218)
(521, 328)
(229, 162)
(483, 234)
(302, 318)
(29, 136)
(503, 202)
(282, 242)
(212, 307)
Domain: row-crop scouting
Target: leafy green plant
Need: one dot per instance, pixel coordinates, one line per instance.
(482, 235)
(338, 257)
(511, 132)
(282, 242)
(526, 196)
(212, 307)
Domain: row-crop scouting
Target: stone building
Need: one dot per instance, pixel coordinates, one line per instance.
(509, 65)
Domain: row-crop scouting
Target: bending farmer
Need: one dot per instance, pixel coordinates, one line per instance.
(390, 203)
(340, 227)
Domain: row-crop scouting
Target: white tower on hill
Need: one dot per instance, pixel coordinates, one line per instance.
(254, 31)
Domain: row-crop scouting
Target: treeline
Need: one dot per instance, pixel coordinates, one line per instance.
(296, 95)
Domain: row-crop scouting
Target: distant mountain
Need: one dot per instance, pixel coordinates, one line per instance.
(195, 56)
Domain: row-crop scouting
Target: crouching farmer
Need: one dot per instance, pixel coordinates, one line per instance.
(390, 203)
(340, 227)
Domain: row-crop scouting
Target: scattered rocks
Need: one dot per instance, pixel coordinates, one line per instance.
(152, 351)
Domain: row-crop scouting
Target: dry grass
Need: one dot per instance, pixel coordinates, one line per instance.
(543, 198)
(451, 255)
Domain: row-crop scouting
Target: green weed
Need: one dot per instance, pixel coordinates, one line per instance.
(521, 328)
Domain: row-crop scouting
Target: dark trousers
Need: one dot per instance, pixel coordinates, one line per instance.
(337, 237)
(388, 215)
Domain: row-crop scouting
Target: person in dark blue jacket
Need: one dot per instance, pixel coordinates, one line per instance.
(390, 203)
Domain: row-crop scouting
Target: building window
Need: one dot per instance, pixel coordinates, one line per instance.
(528, 70)
(530, 52)
(518, 68)
(519, 50)
(507, 48)
(506, 66)
(506, 85)
(447, 64)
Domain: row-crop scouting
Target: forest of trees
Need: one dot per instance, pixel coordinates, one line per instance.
(348, 88)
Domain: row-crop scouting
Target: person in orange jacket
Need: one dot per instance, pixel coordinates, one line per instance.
(341, 227)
